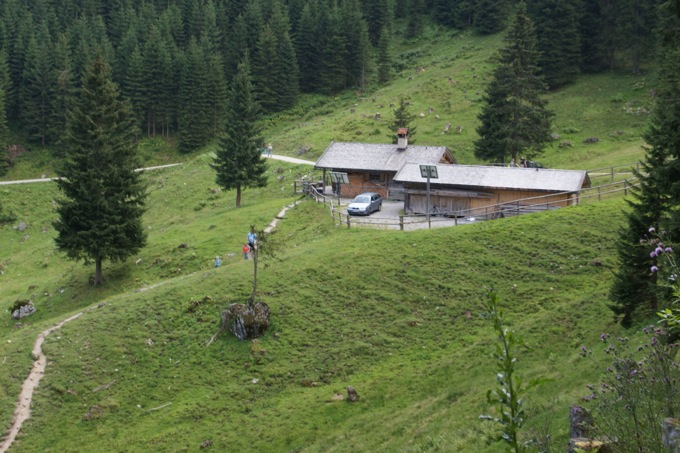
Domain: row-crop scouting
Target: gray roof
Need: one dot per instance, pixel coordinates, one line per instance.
(544, 179)
(377, 157)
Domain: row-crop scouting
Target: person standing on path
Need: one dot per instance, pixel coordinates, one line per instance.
(252, 238)
(269, 150)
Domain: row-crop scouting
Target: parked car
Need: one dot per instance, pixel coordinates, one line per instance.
(365, 204)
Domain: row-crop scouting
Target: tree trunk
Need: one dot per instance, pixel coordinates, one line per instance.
(251, 301)
(98, 278)
(238, 196)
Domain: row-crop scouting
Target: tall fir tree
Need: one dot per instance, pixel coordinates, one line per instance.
(636, 292)
(309, 47)
(416, 9)
(664, 132)
(358, 45)
(238, 163)
(64, 92)
(402, 118)
(384, 57)
(100, 213)
(4, 138)
(38, 86)
(558, 38)
(287, 70)
(490, 16)
(515, 118)
(334, 73)
(195, 121)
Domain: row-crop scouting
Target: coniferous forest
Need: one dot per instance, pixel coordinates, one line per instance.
(174, 59)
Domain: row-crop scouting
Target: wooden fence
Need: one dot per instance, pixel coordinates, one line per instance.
(454, 218)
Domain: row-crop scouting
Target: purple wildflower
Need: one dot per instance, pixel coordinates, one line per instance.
(668, 250)
(652, 254)
(652, 230)
(658, 250)
(654, 269)
(603, 336)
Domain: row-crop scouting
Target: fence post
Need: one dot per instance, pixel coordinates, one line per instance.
(348, 221)
(401, 222)
(599, 195)
(625, 187)
(612, 173)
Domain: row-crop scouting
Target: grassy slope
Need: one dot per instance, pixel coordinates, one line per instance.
(394, 314)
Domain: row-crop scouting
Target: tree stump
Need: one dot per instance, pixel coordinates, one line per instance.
(246, 321)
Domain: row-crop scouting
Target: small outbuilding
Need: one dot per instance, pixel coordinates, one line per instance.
(372, 167)
(489, 191)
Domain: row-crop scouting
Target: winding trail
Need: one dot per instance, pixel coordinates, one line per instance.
(22, 410)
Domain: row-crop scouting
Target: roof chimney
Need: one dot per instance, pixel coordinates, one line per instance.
(402, 138)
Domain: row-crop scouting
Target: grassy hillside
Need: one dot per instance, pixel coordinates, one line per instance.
(394, 314)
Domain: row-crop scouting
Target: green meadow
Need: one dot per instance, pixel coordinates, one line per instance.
(394, 314)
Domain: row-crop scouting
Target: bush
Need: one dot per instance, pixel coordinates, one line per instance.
(637, 391)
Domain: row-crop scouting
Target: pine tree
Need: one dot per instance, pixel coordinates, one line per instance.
(635, 290)
(384, 56)
(334, 73)
(402, 118)
(490, 16)
(358, 45)
(64, 92)
(557, 33)
(664, 132)
(100, 214)
(195, 120)
(238, 163)
(309, 44)
(515, 118)
(264, 79)
(287, 70)
(415, 18)
(592, 39)
(38, 86)
(4, 135)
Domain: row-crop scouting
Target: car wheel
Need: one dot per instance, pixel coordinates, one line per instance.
(380, 207)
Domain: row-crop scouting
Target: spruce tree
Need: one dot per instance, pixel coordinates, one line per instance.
(358, 45)
(384, 58)
(636, 291)
(38, 86)
(195, 119)
(402, 118)
(238, 163)
(514, 118)
(558, 38)
(490, 16)
(4, 136)
(287, 70)
(100, 213)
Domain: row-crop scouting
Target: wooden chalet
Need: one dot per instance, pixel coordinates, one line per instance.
(488, 191)
(372, 167)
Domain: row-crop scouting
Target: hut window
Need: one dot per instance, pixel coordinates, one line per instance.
(374, 177)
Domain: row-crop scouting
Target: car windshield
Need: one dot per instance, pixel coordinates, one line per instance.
(361, 200)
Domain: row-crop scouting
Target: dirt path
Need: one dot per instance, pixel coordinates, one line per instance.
(23, 408)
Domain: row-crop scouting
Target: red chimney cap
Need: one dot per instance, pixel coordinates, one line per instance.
(402, 131)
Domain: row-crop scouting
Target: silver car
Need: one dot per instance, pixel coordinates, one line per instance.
(365, 204)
